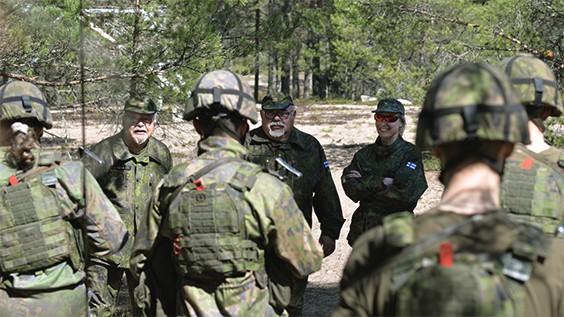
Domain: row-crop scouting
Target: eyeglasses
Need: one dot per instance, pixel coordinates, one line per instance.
(388, 119)
(145, 120)
(282, 114)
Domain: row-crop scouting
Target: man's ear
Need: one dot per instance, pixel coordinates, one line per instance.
(198, 126)
(243, 128)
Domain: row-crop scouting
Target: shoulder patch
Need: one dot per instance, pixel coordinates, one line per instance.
(326, 164)
(411, 165)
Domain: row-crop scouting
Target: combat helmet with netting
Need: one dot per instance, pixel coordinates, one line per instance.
(20, 100)
(471, 102)
(534, 82)
(221, 91)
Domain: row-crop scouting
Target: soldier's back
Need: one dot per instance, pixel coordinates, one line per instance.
(456, 265)
(532, 190)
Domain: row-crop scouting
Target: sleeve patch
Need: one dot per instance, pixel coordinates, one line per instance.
(411, 165)
(326, 164)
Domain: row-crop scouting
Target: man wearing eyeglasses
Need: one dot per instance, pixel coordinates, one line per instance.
(132, 163)
(386, 176)
(278, 138)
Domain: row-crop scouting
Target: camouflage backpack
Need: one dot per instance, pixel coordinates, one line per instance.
(532, 190)
(33, 234)
(464, 282)
(208, 223)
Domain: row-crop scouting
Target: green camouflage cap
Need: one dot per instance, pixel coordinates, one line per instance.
(221, 91)
(390, 105)
(272, 103)
(471, 101)
(143, 105)
(534, 82)
(20, 100)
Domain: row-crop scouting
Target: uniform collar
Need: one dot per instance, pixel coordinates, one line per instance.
(122, 152)
(220, 147)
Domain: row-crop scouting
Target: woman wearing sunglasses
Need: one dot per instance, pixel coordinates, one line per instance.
(386, 176)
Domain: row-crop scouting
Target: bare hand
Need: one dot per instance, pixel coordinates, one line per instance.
(388, 181)
(327, 244)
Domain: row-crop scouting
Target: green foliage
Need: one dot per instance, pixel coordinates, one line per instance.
(430, 162)
(382, 48)
(554, 133)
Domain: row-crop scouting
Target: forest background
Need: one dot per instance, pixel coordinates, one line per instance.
(93, 54)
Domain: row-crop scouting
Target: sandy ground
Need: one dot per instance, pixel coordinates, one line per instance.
(341, 129)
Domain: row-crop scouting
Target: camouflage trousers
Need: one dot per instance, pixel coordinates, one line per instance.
(296, 305)
(362, 221)
(104, 282)
(29, 303)
(231, 296)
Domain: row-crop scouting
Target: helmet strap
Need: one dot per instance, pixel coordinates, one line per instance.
(539, 123)
(538, 90)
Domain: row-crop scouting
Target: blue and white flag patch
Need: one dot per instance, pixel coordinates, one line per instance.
(326, 164)
(411, 165)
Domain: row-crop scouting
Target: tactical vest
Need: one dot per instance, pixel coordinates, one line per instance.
(463, 283)
(208, 224)
(533, 190)
(33, 235)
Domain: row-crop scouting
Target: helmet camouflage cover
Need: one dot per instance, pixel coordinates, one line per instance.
(534, 82)
(221, 91)
(390, 105)
(22, 100)
(471, 101)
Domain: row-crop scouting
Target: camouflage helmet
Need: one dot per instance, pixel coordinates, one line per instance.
(221, 91)
(534, 82)
(22, 100)
(470, 102)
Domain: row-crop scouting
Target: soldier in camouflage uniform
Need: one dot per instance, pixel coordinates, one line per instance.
(532, 189)
(464, 257)
(227, 221)
(277, 137)
(51, 212)
(386, 176)
(537, 87)
(133, 163)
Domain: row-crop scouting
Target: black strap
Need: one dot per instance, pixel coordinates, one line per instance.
(23, 99)
(203, 171)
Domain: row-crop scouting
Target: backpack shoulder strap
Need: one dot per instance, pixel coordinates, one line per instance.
(245, 177)
(203, 171)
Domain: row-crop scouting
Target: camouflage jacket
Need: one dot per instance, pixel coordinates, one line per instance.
(276, 225)
(555, 155)
(315, 188)
(370, 282)
(128, 179)
(82, 202)
(375, 162)
(532, 189)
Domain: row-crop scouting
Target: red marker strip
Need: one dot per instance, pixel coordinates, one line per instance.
(13, 180)
(445, 254)
(527, 163)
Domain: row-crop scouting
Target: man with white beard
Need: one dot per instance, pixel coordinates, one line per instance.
(130, 165)
(314, 189)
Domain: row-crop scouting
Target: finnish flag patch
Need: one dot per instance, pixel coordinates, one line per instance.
(411, 165)
(326, 164)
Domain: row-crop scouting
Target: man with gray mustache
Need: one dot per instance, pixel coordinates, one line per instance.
(314, 189)
(133, 162)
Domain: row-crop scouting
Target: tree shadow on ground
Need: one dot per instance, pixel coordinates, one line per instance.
(321, 299)
(341, 155)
